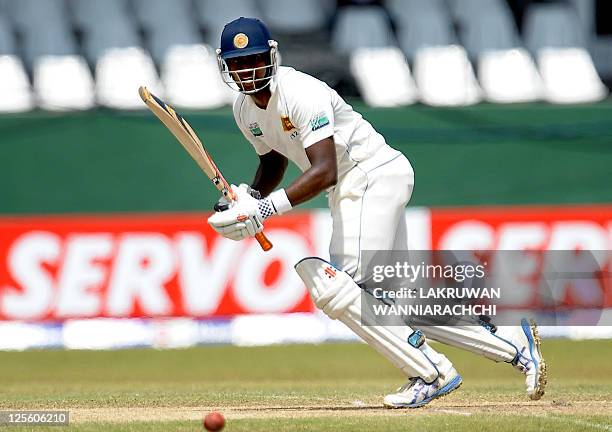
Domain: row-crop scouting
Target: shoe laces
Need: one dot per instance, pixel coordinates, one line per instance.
(522, 362)
(412, 382)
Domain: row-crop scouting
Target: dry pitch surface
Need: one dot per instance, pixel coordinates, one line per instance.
(301, 388)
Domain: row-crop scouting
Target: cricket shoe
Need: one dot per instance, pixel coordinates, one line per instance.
(529, 359)
(416, 392)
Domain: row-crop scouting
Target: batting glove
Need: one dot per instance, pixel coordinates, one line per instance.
(224, 204)
(245, 218)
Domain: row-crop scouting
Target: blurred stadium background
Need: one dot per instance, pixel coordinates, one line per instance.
(501, 106)
(77, 54)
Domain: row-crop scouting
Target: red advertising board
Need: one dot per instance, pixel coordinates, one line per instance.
(156, 265)
(170, 265)
(537, 230)
(518, 228)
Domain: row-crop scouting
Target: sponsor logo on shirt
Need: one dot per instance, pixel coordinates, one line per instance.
(287, 125)
(319, 121)
(255, 129)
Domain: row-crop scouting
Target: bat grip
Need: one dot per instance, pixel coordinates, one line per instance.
(261, 238)
(263, 241)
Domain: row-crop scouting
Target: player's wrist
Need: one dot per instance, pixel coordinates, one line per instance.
(275, 203)
(265, 208)
(280, 201)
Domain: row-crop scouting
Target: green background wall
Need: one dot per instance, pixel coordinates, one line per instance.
(105, 161)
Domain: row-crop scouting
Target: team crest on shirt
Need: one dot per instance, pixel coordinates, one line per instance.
(241, 40)
(319, 121)
(255, 129)
(287, 125)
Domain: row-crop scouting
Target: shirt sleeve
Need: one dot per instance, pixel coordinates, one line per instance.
(313, 112)
(260, 147)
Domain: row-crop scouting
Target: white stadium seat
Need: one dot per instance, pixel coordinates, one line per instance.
(119, 73)
(509, 76)
(191, 78)
(445, 77)
(554, 36)
(569, 76)
(372, 69)
(63, 83)
(14, 86)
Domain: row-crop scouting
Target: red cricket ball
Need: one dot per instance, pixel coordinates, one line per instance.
(214, 421)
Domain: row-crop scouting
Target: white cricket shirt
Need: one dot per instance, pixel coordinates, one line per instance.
(302, 111)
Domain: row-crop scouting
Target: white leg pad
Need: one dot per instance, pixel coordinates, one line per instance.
(336, 293)
(476, 339)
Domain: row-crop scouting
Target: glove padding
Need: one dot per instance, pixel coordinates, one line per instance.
(243, 219)
(224, 204)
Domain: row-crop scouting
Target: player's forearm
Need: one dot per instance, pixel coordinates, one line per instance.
(311, 183)
(322, 174)
(265, 182)
(269, 173)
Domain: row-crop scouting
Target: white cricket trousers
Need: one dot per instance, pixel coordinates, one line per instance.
(368, 208)
(368, 212)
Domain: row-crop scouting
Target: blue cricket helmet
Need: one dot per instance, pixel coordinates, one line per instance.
(244, 36)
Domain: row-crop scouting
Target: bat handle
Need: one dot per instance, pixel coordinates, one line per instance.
(263, 241)
(261, 238)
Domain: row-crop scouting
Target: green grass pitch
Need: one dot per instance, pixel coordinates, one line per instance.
(330, 387)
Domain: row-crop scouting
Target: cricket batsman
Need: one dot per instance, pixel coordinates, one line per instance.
(288, 115)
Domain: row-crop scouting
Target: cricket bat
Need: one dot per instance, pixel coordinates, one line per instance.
(183, 132)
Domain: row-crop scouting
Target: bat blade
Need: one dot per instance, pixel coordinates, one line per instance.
(186, 136)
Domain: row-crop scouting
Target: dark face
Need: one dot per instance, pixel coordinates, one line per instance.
(246, 64)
